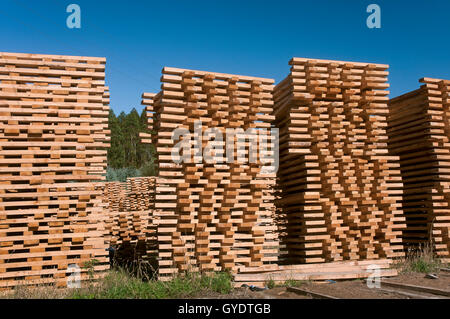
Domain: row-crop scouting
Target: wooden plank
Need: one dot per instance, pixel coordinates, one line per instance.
(430, 290)
(332, 120)
(53, 153)
(306, 292)
(292, 275)
(417, 134)
(211, 222)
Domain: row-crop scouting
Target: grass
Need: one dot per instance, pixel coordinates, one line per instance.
(294, 283)
(118, 284)
(270, 283)
(42, 292)
(422, 260)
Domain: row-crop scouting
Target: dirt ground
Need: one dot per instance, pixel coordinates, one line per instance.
(419, 279)
(350, 289)
(245, 293)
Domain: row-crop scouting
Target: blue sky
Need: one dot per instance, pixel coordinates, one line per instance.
(246, 37)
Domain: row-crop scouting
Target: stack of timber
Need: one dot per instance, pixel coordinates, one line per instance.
(339, 270)
(215, 214)
(419, 133)
(340, 190)
(53, 139)
(130, 222)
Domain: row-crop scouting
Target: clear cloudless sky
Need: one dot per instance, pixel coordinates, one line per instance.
(247, 37)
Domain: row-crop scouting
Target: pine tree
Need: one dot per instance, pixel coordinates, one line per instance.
(127, 156)
(116, 153)
(131, 130)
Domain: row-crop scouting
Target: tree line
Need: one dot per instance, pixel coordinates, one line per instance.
(127, 156)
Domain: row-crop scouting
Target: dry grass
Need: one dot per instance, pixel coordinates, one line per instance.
(270, 283)
(421, 260)
(118, 284)
(38, 292)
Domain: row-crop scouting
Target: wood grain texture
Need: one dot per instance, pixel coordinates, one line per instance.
(131, 224)
(53, 140)
(213, 216)
(340, 191)
(419, 132)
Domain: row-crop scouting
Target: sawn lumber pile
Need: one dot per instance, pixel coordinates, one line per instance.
(53, 139)
(340, 190)
(130, 222)
(419, 133)
(214, 215)
(260, 276)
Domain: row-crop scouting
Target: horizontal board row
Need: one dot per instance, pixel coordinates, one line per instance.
(213, 215)
(53, 139)
(419, 134)
(340, 189)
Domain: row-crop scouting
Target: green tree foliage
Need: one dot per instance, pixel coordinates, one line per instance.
(116, 152)
(127, 156)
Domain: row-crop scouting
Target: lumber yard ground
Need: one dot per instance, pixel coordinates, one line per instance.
(413, 282)
(412, 288)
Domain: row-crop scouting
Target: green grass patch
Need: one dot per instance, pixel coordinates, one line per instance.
(294, 283)
(420, 260)
(423, 265)
(270, 283)
(119, 285)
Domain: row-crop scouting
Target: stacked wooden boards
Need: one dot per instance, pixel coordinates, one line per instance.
(419, 133)
(340, 190)
(215, 214)
(53, 139)
(338, 270)
(130, 222)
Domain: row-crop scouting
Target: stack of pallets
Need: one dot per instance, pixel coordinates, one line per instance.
(130, 223)
(340, 191)
(53, 139)
(214, 215)
(419, 133)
